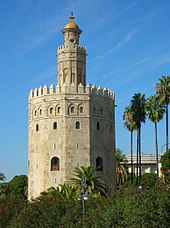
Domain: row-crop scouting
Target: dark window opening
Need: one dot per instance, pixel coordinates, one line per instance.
(51, 110)
(55, 164)
(81, 109)
(77, 125)
(37, 127)
(101, 111)
(72, 109)
(55, 125)
(99, 164)
(58, 109)
(98, 126)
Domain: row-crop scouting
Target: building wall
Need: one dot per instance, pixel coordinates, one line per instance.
(74, 147)
(148, 164)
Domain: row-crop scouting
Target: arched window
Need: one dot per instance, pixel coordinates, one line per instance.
(58, 110)
(35, 113)
(101, 112)
(55, 125)
(77, 125)
(40, 112)
(72, 109)
(81, 109)
(98, 126)
(94, 110)
(51, 110)
(55, 164)
(99, 164)
(37, 127)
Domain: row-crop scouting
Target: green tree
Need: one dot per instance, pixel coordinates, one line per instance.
(165, 162)
(163, 89)
(18, 186)
(2, 176)
(130, 125)
(155, 111)
(121, 167)
(93, 178)
(139, 116)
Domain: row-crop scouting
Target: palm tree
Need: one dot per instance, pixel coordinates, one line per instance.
(2, 176)
(130, 125)
(67, 191)
(121, 167)
(139, 115)
(163, 89)
(93, 179)
(155, 111)
(64, 191)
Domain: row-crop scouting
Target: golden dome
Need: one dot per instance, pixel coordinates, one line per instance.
(71, 24)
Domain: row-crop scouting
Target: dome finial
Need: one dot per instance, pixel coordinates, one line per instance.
(71, 14)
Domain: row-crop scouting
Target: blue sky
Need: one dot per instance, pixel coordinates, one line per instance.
(128, 47)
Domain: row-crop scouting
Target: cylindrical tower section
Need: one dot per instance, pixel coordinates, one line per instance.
(71, 66)
(71, 58)
(46, 143)
(102, 135)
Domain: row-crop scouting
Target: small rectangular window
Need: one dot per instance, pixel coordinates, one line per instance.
(54, 145)
(98, 126)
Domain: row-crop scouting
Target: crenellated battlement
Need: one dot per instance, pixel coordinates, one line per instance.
(89, 90)
(72, 47)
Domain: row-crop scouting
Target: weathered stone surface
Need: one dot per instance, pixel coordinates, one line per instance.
(71, 105)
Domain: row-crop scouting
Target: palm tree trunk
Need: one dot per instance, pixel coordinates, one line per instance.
(166, 127)
(140, 166)
(137, 156)
(156, 146)
(131, 153)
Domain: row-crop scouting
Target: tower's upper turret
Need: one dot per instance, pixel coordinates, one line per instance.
(71, 32)
(71, 58)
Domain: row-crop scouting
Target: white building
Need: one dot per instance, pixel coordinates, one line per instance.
(148, 163)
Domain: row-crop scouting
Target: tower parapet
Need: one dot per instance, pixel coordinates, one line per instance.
(88, 90)
(72, 47)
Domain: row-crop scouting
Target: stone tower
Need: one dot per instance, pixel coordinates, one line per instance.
(69, 125)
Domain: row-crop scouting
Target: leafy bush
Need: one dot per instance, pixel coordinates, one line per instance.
(149, 180)
(10, 207)
(18, 186)
(165, 169)
(130, 207)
